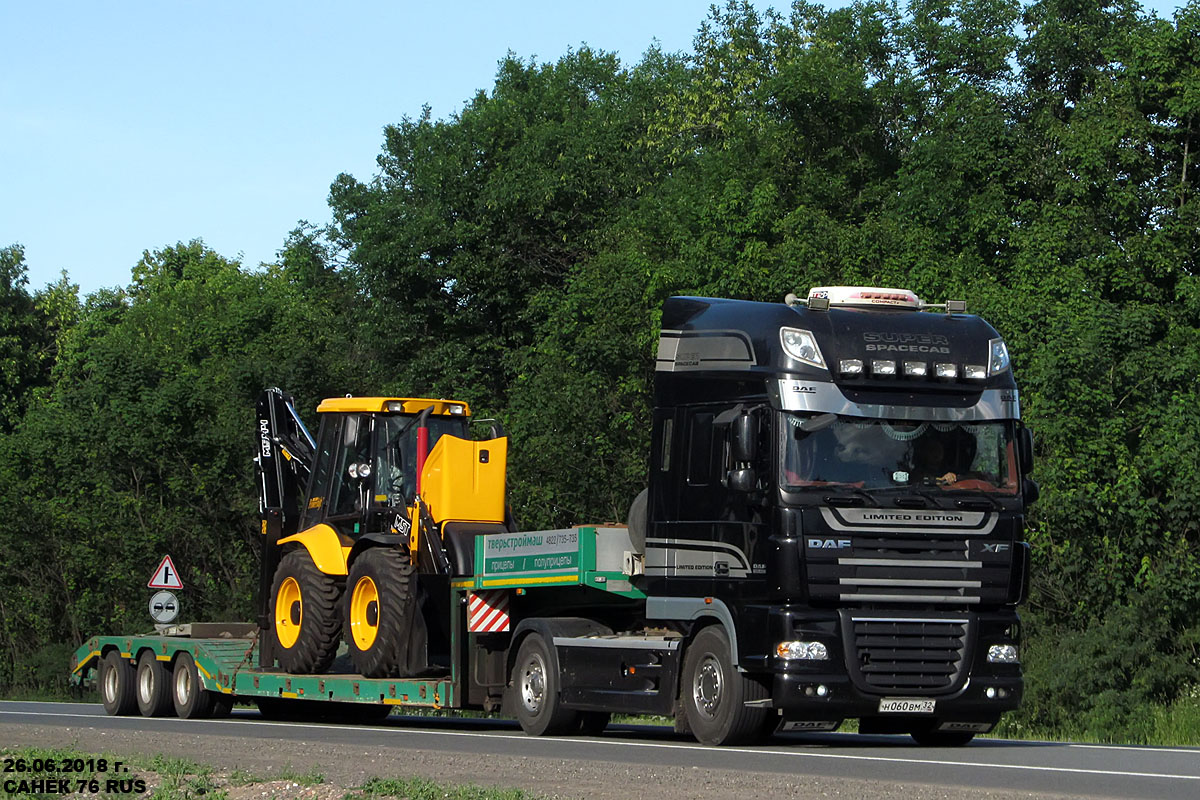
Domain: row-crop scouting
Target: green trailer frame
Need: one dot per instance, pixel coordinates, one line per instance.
(226, 654)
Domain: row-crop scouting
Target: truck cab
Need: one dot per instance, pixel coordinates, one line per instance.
(842, 481)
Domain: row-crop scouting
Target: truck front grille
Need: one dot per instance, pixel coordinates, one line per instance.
(906, 656)
(944, 571)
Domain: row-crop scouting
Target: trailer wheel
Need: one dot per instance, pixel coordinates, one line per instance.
(222, 706)
(380, 604)
(116, 685)
(304, 608)
(153, 686)
(536, 684)
(714, 694)
(191, 699)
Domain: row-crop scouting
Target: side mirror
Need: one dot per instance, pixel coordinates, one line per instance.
(1025, 450)
(743, 480)
(745, 438)
(1031, 491)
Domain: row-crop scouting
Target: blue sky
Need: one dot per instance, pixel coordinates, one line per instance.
(129, 126)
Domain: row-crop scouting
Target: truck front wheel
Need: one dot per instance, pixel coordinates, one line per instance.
(116, 685)
(304, 609)
(715, 694)
(535, 683)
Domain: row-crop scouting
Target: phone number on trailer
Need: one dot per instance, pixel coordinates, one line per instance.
(42, 776)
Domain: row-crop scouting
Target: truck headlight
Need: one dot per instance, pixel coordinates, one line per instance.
(802, 651)
(1003, 654)
(802, 346)
(997, 356)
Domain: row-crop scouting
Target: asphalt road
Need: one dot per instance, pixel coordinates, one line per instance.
(999, 767)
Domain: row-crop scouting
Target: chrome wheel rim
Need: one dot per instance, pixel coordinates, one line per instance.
(707, 687)
(533, 683)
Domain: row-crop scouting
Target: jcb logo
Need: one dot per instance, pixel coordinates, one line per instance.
(828, 544)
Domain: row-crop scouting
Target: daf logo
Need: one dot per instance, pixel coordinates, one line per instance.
(828, 544)
(804, 389)
(994, 548)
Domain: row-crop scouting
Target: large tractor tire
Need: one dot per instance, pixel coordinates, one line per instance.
(117, 685)
(714, 695)
(304, 611)
(381, 602)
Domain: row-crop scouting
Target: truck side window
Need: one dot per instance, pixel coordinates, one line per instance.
(668, 430)
(700, 455)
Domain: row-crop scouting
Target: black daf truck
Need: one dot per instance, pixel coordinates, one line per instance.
(842, 482)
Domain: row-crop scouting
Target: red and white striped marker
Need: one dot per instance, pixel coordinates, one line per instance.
(487, 612)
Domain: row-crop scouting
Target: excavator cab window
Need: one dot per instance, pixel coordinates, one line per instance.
(352, 474)
(398, 453)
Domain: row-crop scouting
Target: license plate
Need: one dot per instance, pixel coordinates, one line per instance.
(903, 705)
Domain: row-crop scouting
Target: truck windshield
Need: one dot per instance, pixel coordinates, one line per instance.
(833, 450)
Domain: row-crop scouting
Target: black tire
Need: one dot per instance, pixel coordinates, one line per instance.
(535, 687)
(304, 611)
(191, 699)
(222, 706)
(714, 694)
(381, 601)
(592, 723)
(153, 682)
(117, 685)
(927, 737)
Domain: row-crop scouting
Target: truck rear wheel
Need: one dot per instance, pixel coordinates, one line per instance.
(304, 608)
(535, 682)
(191, 699)
(714, 693)
(153, 686)
(380, 604)
(117, 685)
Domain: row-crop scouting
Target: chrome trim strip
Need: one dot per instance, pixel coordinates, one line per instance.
(906, 562)
(917, 521)
(850, 597)
(623, 644)
(915, 582)
(823, 397)
(909, 619)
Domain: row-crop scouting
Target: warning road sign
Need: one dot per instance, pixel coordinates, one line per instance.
(166, 576)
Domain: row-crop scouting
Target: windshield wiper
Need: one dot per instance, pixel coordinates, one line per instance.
(857, 497)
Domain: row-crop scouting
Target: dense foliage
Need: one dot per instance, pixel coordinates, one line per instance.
(1040, 161)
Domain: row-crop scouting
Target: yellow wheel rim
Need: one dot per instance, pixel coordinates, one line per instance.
(364, 613)
(289, 612)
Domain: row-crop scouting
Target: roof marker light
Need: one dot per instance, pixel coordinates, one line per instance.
(946, 372)
(915, 369)
(851, 366)
(882, 368)
(974, 372)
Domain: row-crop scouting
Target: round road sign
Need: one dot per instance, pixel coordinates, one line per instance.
(164, 607)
